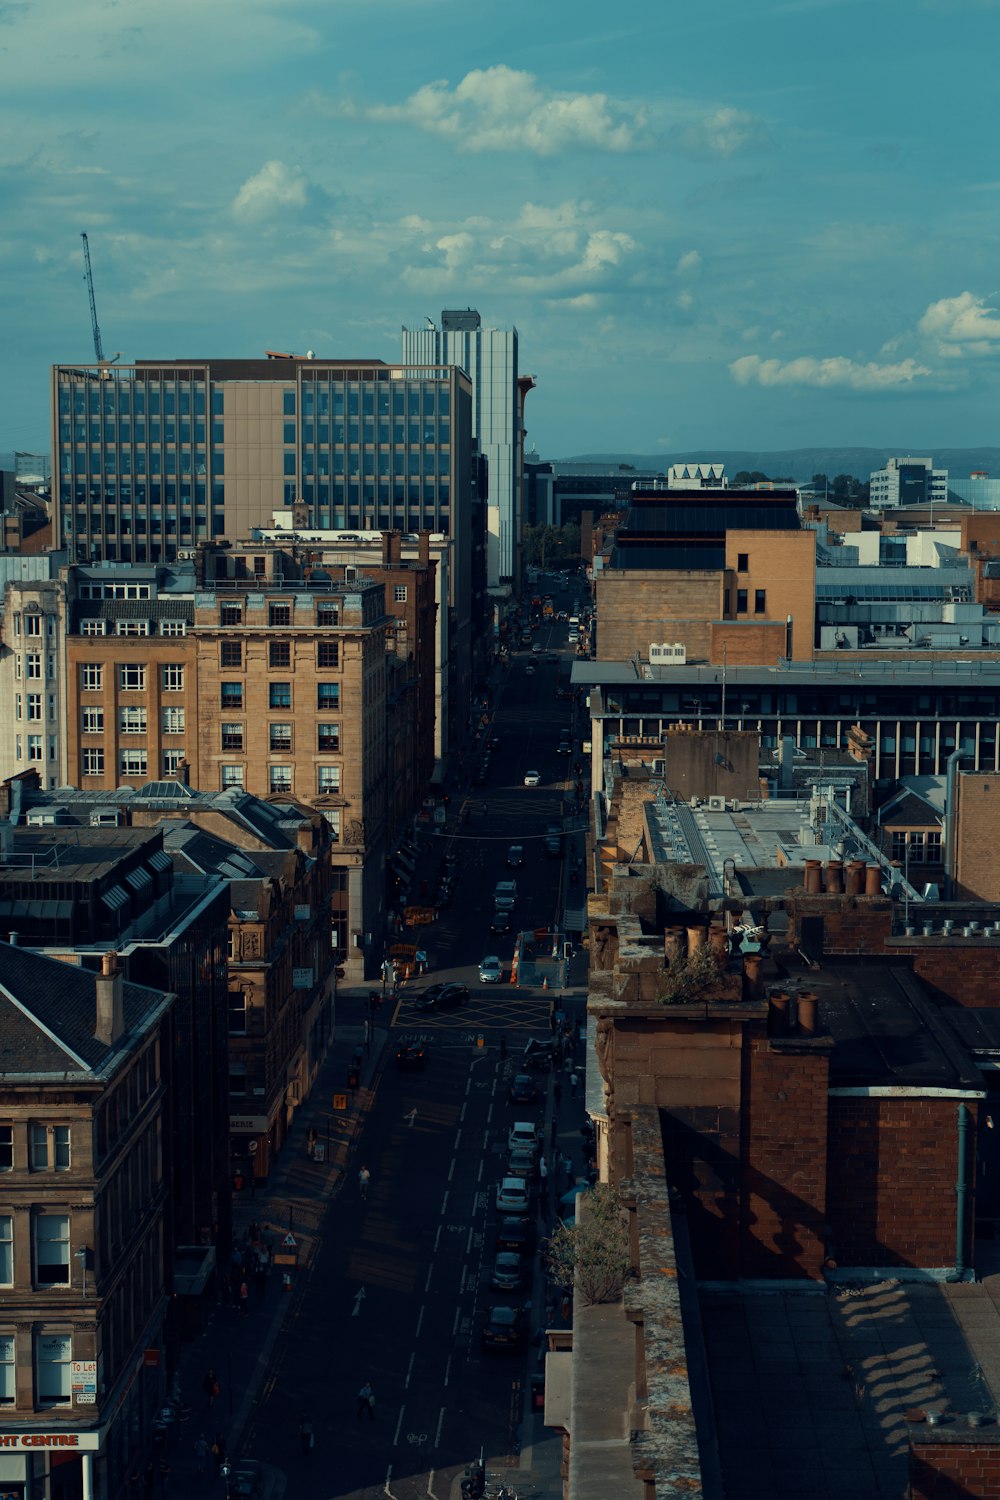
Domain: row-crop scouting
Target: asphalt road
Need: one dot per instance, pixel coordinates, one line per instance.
(399, 1291)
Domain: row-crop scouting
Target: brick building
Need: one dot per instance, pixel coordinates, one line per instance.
(84, 1233)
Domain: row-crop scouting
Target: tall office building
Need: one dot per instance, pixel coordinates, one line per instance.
(489, 356)
(908, 481)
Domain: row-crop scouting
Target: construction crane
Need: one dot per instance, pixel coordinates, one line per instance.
(89, 279)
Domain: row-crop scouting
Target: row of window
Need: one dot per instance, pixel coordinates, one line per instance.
(279, 654)
(31, 623)
(52, 1355)
(280, 695)
(32, 747)
(32, 666)
(917, 848)
(134, 627)
(32, 707)
(131, 763)
(48, 1147)
(131, 677)
(177, 398)
(234, 736)
(133, 720)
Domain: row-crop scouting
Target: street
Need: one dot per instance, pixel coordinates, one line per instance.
(399, 1289)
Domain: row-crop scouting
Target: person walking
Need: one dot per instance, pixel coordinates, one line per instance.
(543, 1171)
(218, 1452)
(307, 1435)
(574, 1083)
(366, 1402)
(364, 1178)
(200, 1452)
(244, 1298)
(210, 1386)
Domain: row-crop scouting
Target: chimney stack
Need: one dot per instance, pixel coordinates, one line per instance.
(423, 548)
(110, 993)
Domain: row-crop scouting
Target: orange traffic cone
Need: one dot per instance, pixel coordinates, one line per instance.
(545, 982)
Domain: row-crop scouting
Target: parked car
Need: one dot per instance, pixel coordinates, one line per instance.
(532, 778)
(505, 1331)
(538, 1055)
(515, 856)
(515, 1233)
(491, 970)
(513, 1196)
(521, 1164)
(536, 649)
(508, 1271)
(521, 1089)
(442, 997)
(246, 1480)
(523, 1135)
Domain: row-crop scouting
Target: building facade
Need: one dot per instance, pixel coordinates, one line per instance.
(908, 481)
(489, 356)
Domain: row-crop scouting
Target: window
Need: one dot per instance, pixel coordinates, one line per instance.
(53, 1353)
(132, 627)
(6, 1253)
(133, 763)
(173, 627)
(231, 614)
(172, 678)
(760, 601)
(172, 762)
(328, 614)
(7, 1386)
(741, 601)
(237, 1080)
(35, 747)
(6, 1148)
(52, 1250)
(32, 624)
(328, 654)
(279, 614)
(742, 562)
(93, 627)
(232, 776)
(33, 664)
(328, 778)
(132, 677)
(327, 695)
(92, 720)
(934, 847)
(92, 677)
(232, 736)
(132, 720)
(231, 694)
(93, 762)
(48, 1147)
(399, 593)
(280, 736)
(328, 738)
(280, 778)
(173, 720)
(237, 1013)
(279, 654)
(231, 654)
(34, 702)
(332, 816)
(280, 695)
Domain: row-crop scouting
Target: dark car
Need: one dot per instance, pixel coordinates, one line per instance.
(538, 1055)
(504, 1332)
(246, 1480)
(442, 997)
(515, 1234)
(522, 1090)
(501, 922)
(480, 775)
(411, 1055)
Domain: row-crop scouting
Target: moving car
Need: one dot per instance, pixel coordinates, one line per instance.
(523, 1135)
(491, 970)
(442, 997)
(505, 895)
(532, 778)
(529, 670)
(536, 649)
(411, 1055)
(508, 1271)
(500, 923)
(515, 856)
(504, 1332)
(521, 1089)
(538, 1055)
(513, 1196)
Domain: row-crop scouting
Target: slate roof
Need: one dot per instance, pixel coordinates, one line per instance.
(207, 854)
(48, 1011)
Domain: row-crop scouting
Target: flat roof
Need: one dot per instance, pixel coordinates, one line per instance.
(919, 666)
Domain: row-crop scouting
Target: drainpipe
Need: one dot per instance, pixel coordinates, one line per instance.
(961, 1191)
(951, 767)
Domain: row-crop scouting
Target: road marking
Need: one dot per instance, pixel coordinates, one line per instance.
(430, 1485)
(468, 1243)
(465, 1105)
(437, 1238)
(399, 1426)
(411, 1116)
(451, 1170)
(479, 1174)
(486, 1140)
(430, 1273)
(444, 1202)
(447, 1370)
(437, 1435)
(420, 1319)
(386, 1490)
(454, 1326)
(409, 1372)
(458, 1135)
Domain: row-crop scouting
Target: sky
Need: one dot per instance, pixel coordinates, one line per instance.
(735, 223)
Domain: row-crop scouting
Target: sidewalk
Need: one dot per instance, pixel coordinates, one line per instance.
(238, 1347)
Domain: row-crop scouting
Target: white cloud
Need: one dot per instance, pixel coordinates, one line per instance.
(827, 374)
(721, 133)
(274, 189)
(690, 261)
(504, 109)
(962, 325)
(685, 301)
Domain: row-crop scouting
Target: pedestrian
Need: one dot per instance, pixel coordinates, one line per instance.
(364, 1178)
(574, 1082)
(210, 1386)
(244, 1298)
(543, 1171)
(557, 1093)
(567, 1163)
(311, 1142)
(260, 1278)
(366, 1401)
(307, 1436)
(553, 1131)
(201, 1452)
(218, 1452)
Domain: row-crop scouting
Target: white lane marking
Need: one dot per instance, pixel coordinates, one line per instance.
(444, 1203)
(359, 1297)
(420, 1319)
(430, 1485)
(386, 1490)
(458, 1135)
(437, 1435)
(451, 1170)
(468, 1243)
(479, 1174)
(399, 1426)
(409, 1372)
(454, 1326)
(437, 1238)
(465, 1105)
(447, 1370)
(430, 1273)
(411, 1116)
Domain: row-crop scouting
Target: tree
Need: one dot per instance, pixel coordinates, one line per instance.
(592, 1255)
(819, 482)
(547, 546)
(749, 476)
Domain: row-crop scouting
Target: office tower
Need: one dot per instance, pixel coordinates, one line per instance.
(489, 356)
(908, 481)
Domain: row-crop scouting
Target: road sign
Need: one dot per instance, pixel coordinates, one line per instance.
(289, 1242)
(340, 1101)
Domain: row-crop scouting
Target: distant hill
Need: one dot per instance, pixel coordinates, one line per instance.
(803, 463)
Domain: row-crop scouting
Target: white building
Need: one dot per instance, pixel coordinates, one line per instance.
(32, 677)
(908, 481)
(489, 358)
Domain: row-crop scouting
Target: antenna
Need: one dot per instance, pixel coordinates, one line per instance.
(89, 279)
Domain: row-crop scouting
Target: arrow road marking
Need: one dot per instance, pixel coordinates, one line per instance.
(411, 1116)
(359, 1297)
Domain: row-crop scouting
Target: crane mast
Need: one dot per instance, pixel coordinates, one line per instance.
(89, 278)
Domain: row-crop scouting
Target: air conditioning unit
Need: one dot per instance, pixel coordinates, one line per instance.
(716, 804)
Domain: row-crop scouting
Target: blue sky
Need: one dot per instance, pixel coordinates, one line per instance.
(736, 223)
